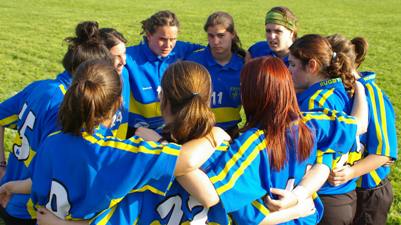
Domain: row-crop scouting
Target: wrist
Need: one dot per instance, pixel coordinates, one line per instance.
(3, 163)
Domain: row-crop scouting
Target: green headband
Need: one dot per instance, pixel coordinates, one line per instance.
(278, 18)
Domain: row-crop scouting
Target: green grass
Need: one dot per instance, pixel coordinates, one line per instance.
(32, 32)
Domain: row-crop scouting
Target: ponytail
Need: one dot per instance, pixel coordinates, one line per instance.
(342, 66)
(186, 88)
(361, 49)
(86, 45)
(92, 98)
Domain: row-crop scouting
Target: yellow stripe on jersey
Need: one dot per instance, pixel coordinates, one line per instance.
(241, 169)
(130, 148)
(384, 121)
(313, 98)
(121, 131)
(354, 157)
(375, 177)
(315, 195)
(115, 201)
(320, 154)
(31, 210)
(376, 119)
(236, 157)
(149, 188)
(227, 114)
(62, 89)
(32, 154)
(261, 208)
(149, 110)
(54, 133)
(325, 97)
(155, 223)
(347, 120)
(223, 147)
(106, 218)
(8, 120)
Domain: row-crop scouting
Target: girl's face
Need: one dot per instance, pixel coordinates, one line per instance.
(163, 40)
(219, 39)
(279, 38)
(299, 72)
(118, 51)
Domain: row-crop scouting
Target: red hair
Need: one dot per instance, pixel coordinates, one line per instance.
(269, 102)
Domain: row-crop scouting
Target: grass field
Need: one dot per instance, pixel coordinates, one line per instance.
(32, 33)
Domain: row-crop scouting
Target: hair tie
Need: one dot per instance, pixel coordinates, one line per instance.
(195, 94)
(334, 56)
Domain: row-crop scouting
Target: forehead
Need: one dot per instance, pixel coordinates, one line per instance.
(166, 32)
(118, 49)
(272, 26)
(216, 29)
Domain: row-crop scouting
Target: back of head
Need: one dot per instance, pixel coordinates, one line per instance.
(226, 20)
(93, 97)
(361, 49)
(111, 37)
(86, 45)
(270, 103)
(331, 64)
(283, 16)
(186, 88)
(159, 19)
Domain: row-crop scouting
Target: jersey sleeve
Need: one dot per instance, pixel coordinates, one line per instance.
(243, 173)
(10, 108)
(125, 212)
(335, 132)
(381, 138)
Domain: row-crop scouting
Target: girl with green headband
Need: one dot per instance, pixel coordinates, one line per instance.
(281, 31)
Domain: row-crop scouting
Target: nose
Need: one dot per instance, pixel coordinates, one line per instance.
(124, 59)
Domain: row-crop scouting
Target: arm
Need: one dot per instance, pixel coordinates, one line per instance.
(197, 183)
(364, 166)
(195, 152)
(45, 217)
(3, 161)
(14, 187)
(310, 183)
(302, 209)
(360, 109)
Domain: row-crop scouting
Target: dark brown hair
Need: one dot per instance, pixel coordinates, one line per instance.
(93, 97)
(85, 46)
(270, 103)
(361, 49)
(159, 19)
(111, 37)
(225, 19)
(186, 88)
(332, 64)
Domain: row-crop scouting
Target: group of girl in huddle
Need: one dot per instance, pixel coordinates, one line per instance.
(149, 134)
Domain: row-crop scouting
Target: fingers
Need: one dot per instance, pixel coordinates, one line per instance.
(278, 192)
(272, 205)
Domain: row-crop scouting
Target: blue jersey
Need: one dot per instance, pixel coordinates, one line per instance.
(226, 99)
(381, 138)
(332, 95)
(145, 71)
(328, 128)
(262, 48)
(329, 94)
(33, 112)
(119, 125)
(93, 172)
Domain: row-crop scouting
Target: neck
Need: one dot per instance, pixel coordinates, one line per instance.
(222, 58)
(316, 79)
(356, 74)
(282, 54)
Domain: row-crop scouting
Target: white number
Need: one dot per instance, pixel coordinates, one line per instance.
(58, 200)
(22, 151)
(342, 161)
(174, 204)
(201, 217)
(219, 97)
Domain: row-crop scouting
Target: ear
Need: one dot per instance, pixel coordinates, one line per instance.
(148, 35)
(313, 67)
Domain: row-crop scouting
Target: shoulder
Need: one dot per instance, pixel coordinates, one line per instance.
(197, 56)
(260, 48)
